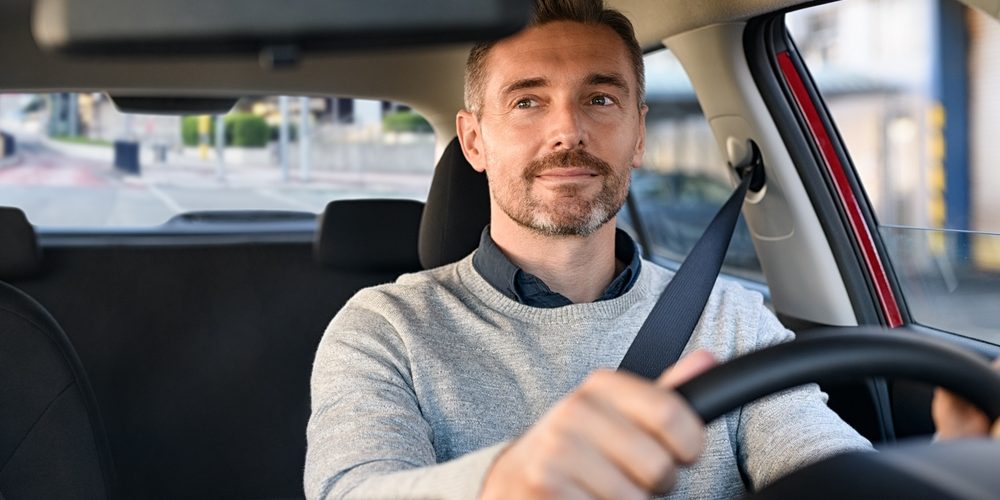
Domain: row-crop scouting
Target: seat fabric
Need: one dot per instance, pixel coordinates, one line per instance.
(52, 442)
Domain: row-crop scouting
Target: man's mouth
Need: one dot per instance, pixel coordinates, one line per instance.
(567, 173)
(567, 166)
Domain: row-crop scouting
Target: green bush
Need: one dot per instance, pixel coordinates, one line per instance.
(248, 130)
(189, 130)
(405, 121)
(241, 129)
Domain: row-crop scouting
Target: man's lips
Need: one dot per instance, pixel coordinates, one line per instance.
(567, 173)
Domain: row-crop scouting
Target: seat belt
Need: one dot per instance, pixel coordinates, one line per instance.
(667, 329)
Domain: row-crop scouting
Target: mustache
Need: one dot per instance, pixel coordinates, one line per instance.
(566, 159)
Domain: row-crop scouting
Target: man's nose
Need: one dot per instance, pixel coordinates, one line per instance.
(569, 129)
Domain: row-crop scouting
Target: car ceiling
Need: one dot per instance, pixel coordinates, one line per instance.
(430, 79)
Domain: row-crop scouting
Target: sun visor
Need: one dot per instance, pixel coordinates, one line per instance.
(278, 29)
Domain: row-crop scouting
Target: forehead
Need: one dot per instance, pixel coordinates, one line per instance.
(559, 51)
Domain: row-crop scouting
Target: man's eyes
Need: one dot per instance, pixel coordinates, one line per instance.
(603, 100)
(596, 100)
(525, 103)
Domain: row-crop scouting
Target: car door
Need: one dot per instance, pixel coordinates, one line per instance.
(885, 109)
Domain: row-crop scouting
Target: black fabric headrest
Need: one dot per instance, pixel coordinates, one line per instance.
(457, 210)
(19, 251)
(369, 235)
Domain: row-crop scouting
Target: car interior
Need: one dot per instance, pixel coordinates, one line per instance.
(174, 361)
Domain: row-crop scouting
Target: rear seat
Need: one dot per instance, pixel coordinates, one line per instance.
(200, 354)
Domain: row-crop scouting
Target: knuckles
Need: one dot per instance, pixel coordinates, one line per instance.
(537, 464)
(657, 470)
(599, 381)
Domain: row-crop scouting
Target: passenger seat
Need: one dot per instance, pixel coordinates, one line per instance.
(52, 440)
(371, 236)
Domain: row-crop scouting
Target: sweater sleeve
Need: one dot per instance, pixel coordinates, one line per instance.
(366, 436)
(789, 430)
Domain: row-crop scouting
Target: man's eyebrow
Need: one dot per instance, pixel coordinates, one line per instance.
(525, 83)
(612, 79)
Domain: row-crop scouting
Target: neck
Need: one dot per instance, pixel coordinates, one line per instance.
(577, 267)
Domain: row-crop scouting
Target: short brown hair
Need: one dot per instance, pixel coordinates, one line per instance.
(547, 11)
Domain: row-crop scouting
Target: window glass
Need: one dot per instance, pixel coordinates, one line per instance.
(911, 86)
(682, 182)
(72, 160)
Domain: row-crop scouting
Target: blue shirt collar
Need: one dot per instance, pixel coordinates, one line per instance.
(528, 289)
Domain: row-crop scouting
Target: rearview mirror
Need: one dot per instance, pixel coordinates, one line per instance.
(279, 28)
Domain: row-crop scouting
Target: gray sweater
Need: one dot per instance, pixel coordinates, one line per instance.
(419, 384)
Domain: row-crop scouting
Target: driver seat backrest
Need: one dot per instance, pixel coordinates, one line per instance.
(457, 210)
(52, 441)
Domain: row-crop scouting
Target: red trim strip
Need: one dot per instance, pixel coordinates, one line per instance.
(847, 199)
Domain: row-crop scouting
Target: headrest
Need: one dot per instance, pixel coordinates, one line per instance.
(457, 210)
(19, 251)
(369, 235)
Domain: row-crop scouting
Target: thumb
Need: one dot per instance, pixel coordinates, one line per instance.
(686, 368)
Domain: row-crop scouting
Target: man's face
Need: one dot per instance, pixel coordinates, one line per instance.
(559, 127)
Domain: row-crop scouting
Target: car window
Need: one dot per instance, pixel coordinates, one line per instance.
(73, 160)
(682, 182)
(911, 87)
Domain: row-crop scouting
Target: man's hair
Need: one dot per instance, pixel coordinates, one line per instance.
(547, 11)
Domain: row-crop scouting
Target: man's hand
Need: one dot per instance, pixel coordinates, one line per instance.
(955, 418)
(617, 436)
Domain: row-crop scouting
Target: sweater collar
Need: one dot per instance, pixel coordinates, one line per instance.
(528, 289)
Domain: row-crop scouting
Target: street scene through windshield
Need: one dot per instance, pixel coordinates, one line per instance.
(73, 160)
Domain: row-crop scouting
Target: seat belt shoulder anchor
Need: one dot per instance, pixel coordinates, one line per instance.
(754, 166)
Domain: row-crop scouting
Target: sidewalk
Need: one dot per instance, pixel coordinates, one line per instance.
(12, 160)
(185, 169)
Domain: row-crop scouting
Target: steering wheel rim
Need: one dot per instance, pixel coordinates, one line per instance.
(833, 355)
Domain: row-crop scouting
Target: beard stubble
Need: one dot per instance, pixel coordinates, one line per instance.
(571, 212)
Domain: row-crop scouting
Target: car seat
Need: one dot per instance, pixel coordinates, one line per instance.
(457, 210)
(374, 236)
(52, 441)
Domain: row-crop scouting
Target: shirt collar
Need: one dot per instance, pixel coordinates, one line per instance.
(528, 289)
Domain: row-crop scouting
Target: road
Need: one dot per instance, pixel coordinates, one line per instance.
(57, 189)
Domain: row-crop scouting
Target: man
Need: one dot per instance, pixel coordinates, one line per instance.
(494, 376)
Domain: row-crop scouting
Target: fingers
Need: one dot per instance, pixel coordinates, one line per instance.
(616, 436)
(955, 418)
(996, 425)
(686, 368)
(595, 473)
(644, 460)
(664, 415)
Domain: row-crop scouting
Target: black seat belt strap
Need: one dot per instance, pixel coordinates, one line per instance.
(667, 329)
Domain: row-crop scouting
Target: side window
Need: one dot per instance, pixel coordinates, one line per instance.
(912, 88)
(74, 161)
(682, 183)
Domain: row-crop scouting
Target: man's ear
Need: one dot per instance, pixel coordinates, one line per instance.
(467, 126)
(640, 145)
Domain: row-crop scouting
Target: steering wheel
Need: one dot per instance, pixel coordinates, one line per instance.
(962, 469)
